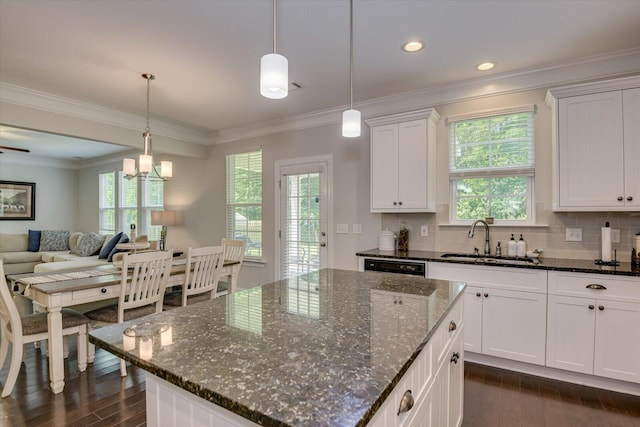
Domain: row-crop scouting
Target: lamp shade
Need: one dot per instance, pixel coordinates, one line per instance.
(166, 169)
(351, 123)
(274, 76)
(129, 167)
(163, 218)
(145, 163)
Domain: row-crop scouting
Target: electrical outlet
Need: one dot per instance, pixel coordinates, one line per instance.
(356, 228)
(342, 228)
(574, 235)
(615, 235)
(424, 230)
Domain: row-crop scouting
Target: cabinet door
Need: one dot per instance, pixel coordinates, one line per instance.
(570, 333)
(617, 340)
(514, 325)
(631, 102)
(473, 319)
(590, 150)
(412, 165)
(456, 384)
(384, 167)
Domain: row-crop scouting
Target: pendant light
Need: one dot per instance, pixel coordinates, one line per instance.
(351, 118)
(274, 70)
(145, 162)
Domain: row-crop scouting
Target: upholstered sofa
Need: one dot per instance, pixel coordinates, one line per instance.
(18, 254)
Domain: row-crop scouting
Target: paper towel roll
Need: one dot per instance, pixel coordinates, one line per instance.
(606, 244)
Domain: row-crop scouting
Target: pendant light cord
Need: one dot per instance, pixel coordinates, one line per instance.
(274, 26)
(148, 80)
(350, 51)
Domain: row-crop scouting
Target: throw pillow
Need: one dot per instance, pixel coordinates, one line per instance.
(88, 244)
(123, 239)
(54, 240)
(34, 240)
(108, 247)
(73, 239)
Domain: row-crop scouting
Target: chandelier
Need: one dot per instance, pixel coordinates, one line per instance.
(145, 161)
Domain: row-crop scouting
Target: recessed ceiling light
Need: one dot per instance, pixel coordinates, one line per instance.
(485, 66)
(413, 46)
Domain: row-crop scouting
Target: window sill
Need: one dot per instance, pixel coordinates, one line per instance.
(523, 225)
(255, 262)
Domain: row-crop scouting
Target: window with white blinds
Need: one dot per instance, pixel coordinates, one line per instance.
(244, 200)
(120, 206)
(491, 165)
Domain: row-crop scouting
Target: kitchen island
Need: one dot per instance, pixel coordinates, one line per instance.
(333, 347)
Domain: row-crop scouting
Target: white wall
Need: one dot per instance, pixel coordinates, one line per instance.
(56, 196)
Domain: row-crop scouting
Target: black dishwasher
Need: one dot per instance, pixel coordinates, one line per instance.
(391, 266)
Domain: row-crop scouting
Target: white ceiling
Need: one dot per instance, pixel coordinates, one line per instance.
(206, 54)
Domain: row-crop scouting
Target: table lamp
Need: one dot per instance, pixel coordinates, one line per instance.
(163, 218)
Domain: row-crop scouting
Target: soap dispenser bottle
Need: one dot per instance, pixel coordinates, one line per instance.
(521, 250)
(512, 250)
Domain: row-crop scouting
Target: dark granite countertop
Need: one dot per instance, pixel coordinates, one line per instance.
(557, 264)
(301, 352)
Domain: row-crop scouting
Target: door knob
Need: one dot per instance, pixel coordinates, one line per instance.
(323, 233)
(478, 294)
(591, 306)
(486, 295)
(323, 244)
(601, 307)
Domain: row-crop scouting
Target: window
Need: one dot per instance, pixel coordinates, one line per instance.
(491, 166)
(244, 200)
(120, 206)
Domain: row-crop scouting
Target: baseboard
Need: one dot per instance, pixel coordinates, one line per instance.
(555, 374)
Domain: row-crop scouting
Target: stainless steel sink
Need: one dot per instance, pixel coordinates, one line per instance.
(488, 259)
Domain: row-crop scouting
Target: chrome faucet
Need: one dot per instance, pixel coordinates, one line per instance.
(487, 247)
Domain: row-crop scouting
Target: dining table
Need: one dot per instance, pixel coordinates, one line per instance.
(66, 288)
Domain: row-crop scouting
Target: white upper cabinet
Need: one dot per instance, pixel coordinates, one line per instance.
(596, 148)
(403, 162)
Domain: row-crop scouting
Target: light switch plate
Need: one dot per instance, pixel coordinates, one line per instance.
(574, 235)
(615, 235)
(356, 228)
(342, 228)
(424, 230)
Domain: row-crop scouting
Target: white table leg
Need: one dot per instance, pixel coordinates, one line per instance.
(55, 349)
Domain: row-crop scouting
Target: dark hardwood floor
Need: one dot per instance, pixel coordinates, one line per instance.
(493, 398)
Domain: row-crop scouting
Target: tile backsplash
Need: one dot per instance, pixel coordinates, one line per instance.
(549, 235)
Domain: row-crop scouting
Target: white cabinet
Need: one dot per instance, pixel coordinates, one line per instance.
(505, 309)
(594, 325)
(403, 162)
(435, 379)
(597, 146)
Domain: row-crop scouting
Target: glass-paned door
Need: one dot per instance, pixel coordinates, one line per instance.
(303, 219)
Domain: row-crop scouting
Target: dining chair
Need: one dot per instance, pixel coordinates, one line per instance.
(21, 330)
(144, 278)
(233, 251)
(202, 273)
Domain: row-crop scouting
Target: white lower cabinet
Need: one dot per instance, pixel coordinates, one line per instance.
(505, 309)
(435, 381)
(593, 325)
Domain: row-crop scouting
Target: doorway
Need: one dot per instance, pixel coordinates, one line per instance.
(302, 209)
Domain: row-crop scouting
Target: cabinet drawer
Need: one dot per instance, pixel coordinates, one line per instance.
(516, 279)
(447, 331)
(96, 294)
(586, 285)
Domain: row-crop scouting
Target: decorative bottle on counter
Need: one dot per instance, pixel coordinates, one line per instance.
(403, 239)
(512, 249)
(521, 249)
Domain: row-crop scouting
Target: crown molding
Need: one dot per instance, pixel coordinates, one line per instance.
(614, 64)
(29, 98)
(604, 66)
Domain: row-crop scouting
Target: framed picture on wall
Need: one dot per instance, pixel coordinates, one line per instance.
(17, 200)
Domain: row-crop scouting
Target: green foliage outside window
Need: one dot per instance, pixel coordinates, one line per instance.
(491, 166)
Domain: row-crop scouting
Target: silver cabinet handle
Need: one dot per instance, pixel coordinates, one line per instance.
(629, 198)
(596, 286)
(452, 326)
(406, 403)
(323, 244)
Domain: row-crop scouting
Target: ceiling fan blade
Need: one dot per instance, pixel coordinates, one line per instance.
(23, 150)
